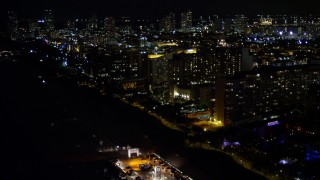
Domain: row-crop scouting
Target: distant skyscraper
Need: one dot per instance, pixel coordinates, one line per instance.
(92, 23)
(109, 23)
(240, 23)
(13, 25)
(32, 28)
(186, 21)
(110, 28)
(168, 23)
(49, 21)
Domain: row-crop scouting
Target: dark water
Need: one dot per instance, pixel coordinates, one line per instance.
(51, 131)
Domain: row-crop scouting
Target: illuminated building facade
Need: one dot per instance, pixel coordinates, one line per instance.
(110, 29)
(265, 21)
(226, 60)
(240, 23)
(126, 64)
(186, 21)
(200, 94)
(114, 63)
(119, 67)
(268, 94)
(157, 70)
(199, 66)
(48, 21)
(187, 67)
(124, 25)
(191, 75)
(92, 23)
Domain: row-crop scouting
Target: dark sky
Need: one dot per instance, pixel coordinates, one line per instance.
(158, 8)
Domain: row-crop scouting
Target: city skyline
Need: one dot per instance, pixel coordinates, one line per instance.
(212, 88)
(146, 9)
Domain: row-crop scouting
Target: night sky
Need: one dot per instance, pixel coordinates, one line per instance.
(156, 9)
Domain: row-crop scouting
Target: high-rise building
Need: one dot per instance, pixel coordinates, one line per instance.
(202, 65)
(92, 23)
(126, 64)
(168, 23)
(157, 70)
(48, 21)
(110, 29)
(185, 68)
(186, 21)
(32, 28)
(190, 75)
(240, 23)
(269, 93)
(226, 60)
(13, 25)
(116, 63)
(157, 75)
(125, 25)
